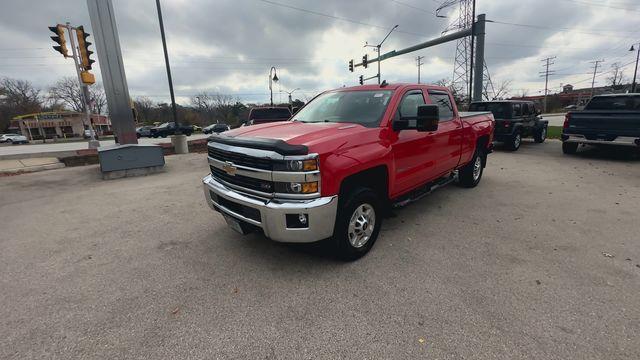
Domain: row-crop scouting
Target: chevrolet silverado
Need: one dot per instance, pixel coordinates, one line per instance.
(342, 161)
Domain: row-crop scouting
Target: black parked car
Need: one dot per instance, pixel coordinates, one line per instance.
(515, 119)
(143, 131)
(216, 128)
(606, 120)
(169, 128)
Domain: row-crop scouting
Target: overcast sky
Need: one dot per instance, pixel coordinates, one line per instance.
(228, 46)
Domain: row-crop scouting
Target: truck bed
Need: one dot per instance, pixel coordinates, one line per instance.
(604, 122)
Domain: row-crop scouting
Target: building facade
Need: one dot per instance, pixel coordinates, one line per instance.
(58, 124)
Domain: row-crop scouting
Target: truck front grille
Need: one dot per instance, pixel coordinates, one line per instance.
(240, 159)
(243, 181)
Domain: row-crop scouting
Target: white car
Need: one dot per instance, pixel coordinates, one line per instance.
(13, 139)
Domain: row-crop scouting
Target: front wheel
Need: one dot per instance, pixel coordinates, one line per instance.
(541, 135)
(10, 141)
(569, 148)
(358, 223)
(469, 176)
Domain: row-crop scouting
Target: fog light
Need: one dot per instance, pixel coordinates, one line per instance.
(297, 221)
(295, 187)
(302, 218)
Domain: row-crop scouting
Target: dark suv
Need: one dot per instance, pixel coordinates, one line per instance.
(515, 119)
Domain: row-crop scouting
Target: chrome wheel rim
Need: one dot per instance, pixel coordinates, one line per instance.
(477, 168)
(516, 140)
(543, 134)
(361, 225)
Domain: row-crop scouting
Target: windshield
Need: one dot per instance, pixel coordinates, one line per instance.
(499, 110)
(614, 103)
(270, 113)
(359, 107)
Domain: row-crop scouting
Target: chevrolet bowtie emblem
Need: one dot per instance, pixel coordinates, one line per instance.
(229, 168)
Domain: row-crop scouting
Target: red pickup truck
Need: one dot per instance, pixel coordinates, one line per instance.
(344, 159)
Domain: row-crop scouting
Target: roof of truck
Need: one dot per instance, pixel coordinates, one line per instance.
(612, 95)
(386, 87)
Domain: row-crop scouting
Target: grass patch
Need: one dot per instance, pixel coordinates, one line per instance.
(554, 132)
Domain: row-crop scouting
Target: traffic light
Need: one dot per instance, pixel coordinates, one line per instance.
(351, 65)
(83, 45)
(361, 79)
(365, 61)
(59, 38)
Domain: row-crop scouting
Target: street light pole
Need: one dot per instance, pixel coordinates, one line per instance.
(272, 78)
(635, 72)
(377, 49)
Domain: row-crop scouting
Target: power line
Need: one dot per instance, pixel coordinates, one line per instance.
(547, 28)
(337, 17)
(601, 5)
(414, 7)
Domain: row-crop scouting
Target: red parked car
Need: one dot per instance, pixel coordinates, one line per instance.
(345, 158)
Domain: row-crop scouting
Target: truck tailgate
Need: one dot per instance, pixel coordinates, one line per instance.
(597, 122)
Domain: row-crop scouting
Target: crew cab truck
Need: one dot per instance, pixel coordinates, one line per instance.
(515, 119)
(606, 120)
(342, 161)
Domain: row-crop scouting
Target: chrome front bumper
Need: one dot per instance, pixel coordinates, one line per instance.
(321, 213)
(620, 140)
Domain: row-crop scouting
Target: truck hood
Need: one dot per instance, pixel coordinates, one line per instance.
(299, 133)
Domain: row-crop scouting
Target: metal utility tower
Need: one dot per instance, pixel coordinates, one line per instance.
(595, 63)
(547, 63)
(462, 68)
(419, 64)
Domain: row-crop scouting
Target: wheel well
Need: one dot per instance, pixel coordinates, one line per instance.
(376, 178)
(482, 143)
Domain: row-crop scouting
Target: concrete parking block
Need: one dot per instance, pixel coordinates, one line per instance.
(8, 167)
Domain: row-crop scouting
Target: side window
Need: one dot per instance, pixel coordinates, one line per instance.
(444, 105)
(517, 110)
(410, 103)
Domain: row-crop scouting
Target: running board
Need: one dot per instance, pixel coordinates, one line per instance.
(425, 190)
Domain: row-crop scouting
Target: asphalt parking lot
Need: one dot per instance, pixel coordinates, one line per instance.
(540, 261)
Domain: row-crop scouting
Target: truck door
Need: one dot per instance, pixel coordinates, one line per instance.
(448, 139)
(411, 149)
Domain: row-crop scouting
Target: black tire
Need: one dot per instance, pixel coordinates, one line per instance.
(514, 143)
(10, 141)
(469, 176)
(361, 199)
(569, 148)
(540, 135)
(164, 135)
(138, 136)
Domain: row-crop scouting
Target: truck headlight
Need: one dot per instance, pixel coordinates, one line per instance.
(297, 165)
(297, 187)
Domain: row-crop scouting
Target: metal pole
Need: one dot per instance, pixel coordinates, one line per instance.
(546, 85)
(379, 74)
(166, 61)
(271, 85)
(83, 86)
(635, 72)
(479, 64)
(595, 70)
(473, 38)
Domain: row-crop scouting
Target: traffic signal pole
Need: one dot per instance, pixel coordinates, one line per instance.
(93, 143)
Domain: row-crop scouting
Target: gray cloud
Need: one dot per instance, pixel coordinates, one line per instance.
(229, 46)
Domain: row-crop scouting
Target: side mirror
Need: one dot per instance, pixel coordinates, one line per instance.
(428, 118)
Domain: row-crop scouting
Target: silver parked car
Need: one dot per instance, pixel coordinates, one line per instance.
(13, 139)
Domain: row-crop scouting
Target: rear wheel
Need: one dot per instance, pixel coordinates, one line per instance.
(358, 223)
(514, 143)
(540, 135)
(469, 176)
(569, 147)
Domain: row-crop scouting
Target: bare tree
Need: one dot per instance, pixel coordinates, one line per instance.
(617, 75)
(67, 92)
(17, 97)
(499, 92)
(456, 91)
(215, 107)
(144, 108)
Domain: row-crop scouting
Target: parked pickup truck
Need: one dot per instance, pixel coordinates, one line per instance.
(261, 115)
(606, 120)
(515, 119)
(345, 158)
(169, 128)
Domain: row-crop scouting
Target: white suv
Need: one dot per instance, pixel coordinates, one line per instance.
(13, 139)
